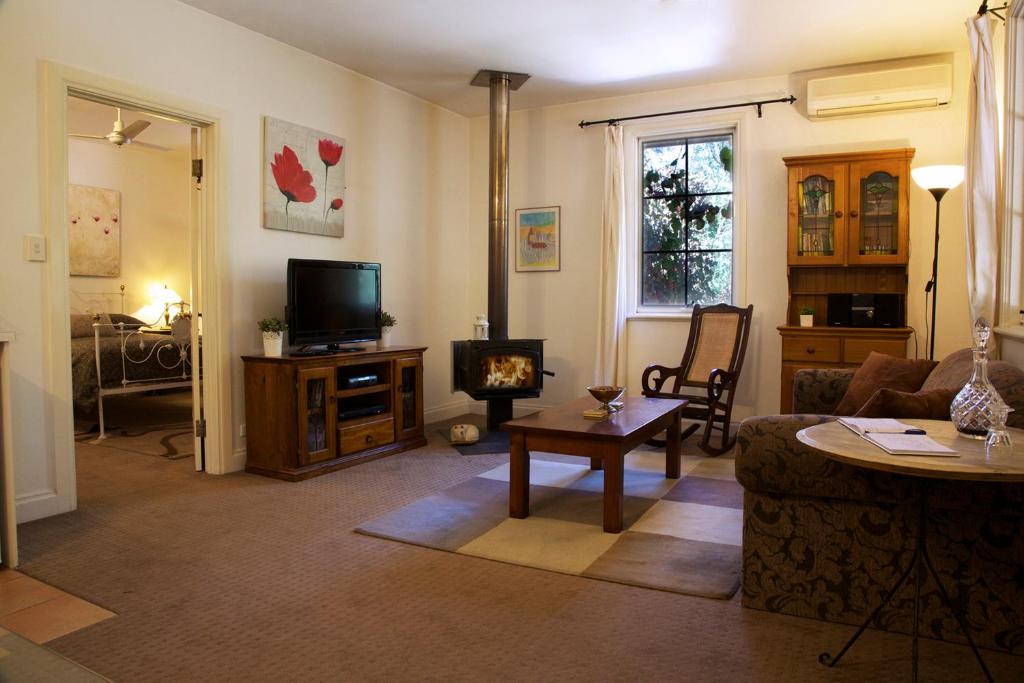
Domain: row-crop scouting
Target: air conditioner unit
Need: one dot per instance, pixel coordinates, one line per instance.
(893, 89)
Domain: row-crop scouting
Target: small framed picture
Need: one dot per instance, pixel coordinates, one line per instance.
(538, 239)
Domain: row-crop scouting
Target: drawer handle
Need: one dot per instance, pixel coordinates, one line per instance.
(839, 214)
(369, 438)
(810, 350)
(853, 213)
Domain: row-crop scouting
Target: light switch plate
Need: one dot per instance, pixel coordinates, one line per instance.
(35, 248)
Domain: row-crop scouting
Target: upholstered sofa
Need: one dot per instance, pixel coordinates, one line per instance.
(825, 540)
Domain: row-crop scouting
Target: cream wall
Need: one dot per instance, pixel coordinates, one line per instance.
(406, 200)
(154, 189)
(553, 162)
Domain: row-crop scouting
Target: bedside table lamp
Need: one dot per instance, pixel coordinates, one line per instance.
(938, 180)
(159, 308)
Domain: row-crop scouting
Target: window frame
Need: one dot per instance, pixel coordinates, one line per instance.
(634, 137)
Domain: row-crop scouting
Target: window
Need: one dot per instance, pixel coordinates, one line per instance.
(686, 221)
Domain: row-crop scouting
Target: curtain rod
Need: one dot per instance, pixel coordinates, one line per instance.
(985, 9)
(760, 103)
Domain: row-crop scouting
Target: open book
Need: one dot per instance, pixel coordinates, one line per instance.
(895, 437)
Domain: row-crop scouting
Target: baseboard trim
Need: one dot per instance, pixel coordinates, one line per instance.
(446, 411)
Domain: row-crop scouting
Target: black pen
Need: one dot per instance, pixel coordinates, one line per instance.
(915, 431)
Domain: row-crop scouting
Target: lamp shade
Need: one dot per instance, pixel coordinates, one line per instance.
(943, 177)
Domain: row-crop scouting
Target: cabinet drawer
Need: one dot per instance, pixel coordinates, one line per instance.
(813, 349)
(857, 350)
(361, 437)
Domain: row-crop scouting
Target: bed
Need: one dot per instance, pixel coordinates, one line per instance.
(116, 354)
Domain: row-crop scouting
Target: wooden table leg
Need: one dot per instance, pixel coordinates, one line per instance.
(672, 447)
(596, 463)
(519, 477)
(613, 465)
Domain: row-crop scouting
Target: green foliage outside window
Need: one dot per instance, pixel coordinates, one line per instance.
(687, 221)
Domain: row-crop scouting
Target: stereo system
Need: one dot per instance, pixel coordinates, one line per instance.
(865, 310)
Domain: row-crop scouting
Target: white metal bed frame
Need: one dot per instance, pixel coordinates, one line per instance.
(179, 350)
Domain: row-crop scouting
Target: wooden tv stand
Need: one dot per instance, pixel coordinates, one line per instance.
(309, 415)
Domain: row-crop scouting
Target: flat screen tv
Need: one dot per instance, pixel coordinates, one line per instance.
(332, 302)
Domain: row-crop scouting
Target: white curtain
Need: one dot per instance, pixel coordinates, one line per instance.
(982, 183)
(612, 303)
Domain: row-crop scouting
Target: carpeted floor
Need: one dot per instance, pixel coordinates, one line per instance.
(242, 578)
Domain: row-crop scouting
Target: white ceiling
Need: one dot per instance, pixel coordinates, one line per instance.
(585, 49)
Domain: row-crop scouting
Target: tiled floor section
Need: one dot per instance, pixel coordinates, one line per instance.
(40, 612)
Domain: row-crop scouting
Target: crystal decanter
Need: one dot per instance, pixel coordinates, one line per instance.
(973, 409)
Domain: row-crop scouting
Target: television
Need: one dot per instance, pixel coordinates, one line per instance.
(332, 302)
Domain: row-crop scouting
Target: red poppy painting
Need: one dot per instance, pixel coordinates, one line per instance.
(303, 179)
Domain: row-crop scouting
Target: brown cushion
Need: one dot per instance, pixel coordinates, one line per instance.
(955, 371)
(81, 325)
(922, 405)
(880, 371)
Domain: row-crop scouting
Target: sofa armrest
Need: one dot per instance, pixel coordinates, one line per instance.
(772, 460)
(818, 390)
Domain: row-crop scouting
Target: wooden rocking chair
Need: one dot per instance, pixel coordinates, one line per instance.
(710, 369)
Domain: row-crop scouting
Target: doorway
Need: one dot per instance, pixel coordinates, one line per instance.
(206, 213)
(131, 233)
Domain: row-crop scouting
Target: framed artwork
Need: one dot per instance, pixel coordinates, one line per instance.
(538, 239)
(303, 179)
(94, 231)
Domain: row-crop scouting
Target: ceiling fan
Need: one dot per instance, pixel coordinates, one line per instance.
(123, 135)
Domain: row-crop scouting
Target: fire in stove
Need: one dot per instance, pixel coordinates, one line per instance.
(507, 371)
(498, 368)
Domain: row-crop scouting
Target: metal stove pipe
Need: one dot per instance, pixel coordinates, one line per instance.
(500, 84)
(497, 210)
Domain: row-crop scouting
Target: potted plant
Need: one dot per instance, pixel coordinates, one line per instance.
(806, 317)
(387, 321)
(272, 329)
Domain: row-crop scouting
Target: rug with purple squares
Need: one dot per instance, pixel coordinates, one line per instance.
(681, 535)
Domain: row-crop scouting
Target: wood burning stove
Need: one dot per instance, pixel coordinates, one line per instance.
(498, 370)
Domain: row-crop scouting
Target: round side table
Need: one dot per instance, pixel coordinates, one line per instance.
(838, 443)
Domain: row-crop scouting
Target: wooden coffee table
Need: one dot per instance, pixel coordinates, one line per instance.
(563, 429)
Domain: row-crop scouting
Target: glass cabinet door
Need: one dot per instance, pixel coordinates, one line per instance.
(408, 398)
(817, 220)
(878, 211)
(317, 415)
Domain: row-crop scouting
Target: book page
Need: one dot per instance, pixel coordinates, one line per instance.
(909, 444)
(872, 425)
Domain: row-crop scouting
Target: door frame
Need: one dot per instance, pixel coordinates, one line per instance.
(59, 81)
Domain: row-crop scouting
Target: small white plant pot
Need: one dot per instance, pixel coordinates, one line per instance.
(272, 343)
(385, 338)
(806, 320)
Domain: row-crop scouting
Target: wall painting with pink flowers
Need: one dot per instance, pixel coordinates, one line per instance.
(94, 231)
(303, 179)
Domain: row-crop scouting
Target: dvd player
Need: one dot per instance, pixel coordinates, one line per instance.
(360, 412)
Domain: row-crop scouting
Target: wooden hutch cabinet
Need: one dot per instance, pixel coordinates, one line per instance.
(309, 415)
(849, 209)
(848, 233)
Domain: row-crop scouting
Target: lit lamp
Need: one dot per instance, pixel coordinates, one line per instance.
(938, 180)
(159, 309)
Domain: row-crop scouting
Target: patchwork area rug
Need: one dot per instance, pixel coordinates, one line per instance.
(682, 535)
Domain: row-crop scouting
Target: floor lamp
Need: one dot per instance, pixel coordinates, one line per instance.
(938, 180)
